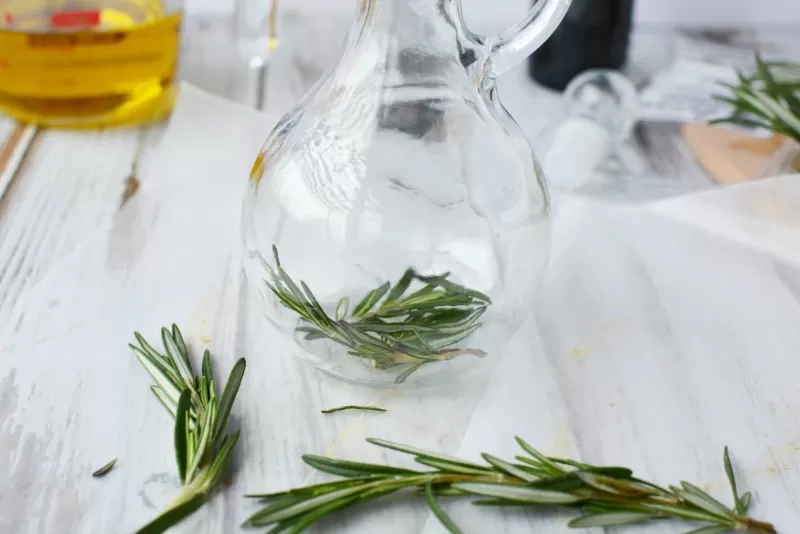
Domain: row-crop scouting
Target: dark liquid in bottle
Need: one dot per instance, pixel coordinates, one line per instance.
(594, 34)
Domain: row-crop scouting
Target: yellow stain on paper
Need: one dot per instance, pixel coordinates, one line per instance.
(580, 353)
(607, 328)
(562, 444)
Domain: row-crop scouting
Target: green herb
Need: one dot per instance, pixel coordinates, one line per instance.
(768, 99)
(354, 407)
(605, 496)
(390, 326)
(103, 471)
(202, 448)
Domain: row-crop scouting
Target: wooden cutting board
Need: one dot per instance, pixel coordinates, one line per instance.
(729, 156)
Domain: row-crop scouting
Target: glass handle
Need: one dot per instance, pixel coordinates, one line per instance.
(524, 37)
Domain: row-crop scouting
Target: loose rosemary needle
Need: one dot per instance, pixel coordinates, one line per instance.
(390, 326)
(604, 496)
(103, 471)
(202, 448)
(354, 407)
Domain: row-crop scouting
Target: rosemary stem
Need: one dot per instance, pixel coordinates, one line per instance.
(754, 526)
(606, 496)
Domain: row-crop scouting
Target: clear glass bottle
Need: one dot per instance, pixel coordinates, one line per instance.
(89, 63)
(396, 223)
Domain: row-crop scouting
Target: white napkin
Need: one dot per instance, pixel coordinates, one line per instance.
(662, 333)
(763, 214)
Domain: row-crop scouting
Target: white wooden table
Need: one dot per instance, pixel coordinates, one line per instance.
(624, 363)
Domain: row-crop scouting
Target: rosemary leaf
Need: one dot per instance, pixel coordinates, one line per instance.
(306, 520)
(178, 337)
(600, 483)
(353, 407)
(400, 287)
(173, 516)
(312, 491)
(165, 401)
(509, 469)
(371, 299)
(622, 473)
(737, 502)
(440, 514)
(103, 471)
(159, 374)
(283, 526)
(565, 482)
(337, 467)
(181, 428)
(692, 514)
(711, 530)
(450, 467)
(519, 493)
(309, 505)
(206, 367)
(228, 397)
(703, 500)
(611, 519)
(402, 377)
(745, 500)
(202, 445)
(179, 361)
(146, 347)
(223, 455)
(423, 453)
(546, 463)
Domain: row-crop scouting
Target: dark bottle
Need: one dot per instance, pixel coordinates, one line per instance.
(594, 34)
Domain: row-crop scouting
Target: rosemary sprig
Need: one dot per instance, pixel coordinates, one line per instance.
(390, 326)
(354, 407)
(768, 99)
(606, 496)
(202, 448)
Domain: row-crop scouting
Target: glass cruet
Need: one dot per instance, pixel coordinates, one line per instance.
(396, 222)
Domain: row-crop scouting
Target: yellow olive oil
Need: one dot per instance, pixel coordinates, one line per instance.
(88, 64)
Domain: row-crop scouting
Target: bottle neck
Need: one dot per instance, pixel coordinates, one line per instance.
(406, 8)
(415, 30)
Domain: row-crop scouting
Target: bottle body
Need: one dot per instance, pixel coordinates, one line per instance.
(110, 63)
(396, 224)
(594, 34)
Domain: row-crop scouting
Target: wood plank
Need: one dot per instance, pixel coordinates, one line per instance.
(14, 144)
(69, 184)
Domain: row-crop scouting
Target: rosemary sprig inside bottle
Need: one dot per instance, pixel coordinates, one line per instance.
(605, 496)
(202, 448)
(391, 325)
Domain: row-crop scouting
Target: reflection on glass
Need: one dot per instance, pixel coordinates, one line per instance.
(256, 30)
